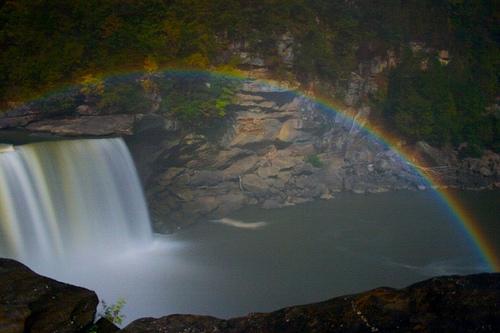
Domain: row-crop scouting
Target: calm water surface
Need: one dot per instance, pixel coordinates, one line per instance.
(300, 254)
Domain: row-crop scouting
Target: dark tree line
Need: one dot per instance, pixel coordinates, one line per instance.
(45, 44)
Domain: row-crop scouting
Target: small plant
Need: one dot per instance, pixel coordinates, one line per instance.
(314, 160)
(112, 313)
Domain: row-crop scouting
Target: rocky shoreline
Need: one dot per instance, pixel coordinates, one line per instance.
(33, 303)
(275, 148)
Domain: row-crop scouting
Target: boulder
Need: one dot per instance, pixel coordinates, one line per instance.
(33, 303)
(290, 130)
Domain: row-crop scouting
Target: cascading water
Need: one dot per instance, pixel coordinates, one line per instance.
(67, 199)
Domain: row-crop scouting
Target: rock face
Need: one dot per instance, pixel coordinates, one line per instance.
(276, 149)
(120, 124)
(33, 303)
(444, 304)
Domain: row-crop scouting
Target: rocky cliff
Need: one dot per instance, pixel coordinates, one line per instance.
(33, 303)
(274, 148)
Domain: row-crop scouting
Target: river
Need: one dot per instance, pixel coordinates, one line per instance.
(294, 255)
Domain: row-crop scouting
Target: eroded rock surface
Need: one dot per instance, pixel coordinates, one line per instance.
(102, 125)
(33, 303)
(276, 149)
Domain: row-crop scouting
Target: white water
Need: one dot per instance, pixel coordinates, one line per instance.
(75, 211)
(70, 199)
(240, 224)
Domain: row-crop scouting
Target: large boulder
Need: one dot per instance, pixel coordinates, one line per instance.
(33, 303)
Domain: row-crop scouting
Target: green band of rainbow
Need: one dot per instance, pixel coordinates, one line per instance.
(463, 218)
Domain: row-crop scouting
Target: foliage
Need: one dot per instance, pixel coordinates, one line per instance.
(112, 312)
(46, 44)
(440, 104)
(197, 98)
(123, 97)
(314, 160)
(91, 85)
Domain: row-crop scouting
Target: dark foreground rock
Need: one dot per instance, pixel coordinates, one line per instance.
(33, 303)
(444, 304)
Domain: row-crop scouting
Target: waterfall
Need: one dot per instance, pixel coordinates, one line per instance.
(72, 198)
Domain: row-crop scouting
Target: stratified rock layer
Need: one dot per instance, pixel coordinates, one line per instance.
(33, 303)
(274, 148)
(444, 304)
(118, 124)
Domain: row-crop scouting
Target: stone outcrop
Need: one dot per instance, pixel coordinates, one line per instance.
(444, 304)
(277, 149)
(101, 125)
(19, 117)
(33, 303)
(464, 173)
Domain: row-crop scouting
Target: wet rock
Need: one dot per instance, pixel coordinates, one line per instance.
(33, 303)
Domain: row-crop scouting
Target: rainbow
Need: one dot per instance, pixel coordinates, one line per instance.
(464, 219)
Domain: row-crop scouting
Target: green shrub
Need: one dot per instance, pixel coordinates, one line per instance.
(314, 160)
(111, 312)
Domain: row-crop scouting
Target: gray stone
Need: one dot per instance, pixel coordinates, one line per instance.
(119, 124)
(254, 184)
